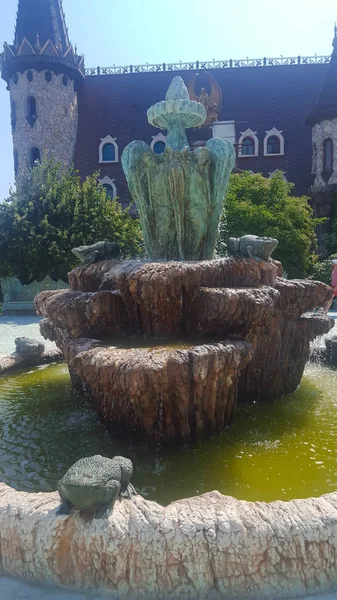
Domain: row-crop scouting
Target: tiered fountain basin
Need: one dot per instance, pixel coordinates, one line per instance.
(166, 348)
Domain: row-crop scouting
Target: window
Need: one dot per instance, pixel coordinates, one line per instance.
(327, 155)
(248, 143)
(158, 143)
(273, 144)
(109, 186)
(13, 115)
(34, 157)
(48, 76)
(248, 147)
(159, 147)
(108, 150)
(65, 80)
(109, 153)
(109, 190)
(31, 109)
(16, 163)
(30, 76)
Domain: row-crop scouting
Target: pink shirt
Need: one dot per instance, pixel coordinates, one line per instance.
(334, 278)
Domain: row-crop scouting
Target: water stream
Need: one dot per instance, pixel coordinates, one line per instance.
(281, 450)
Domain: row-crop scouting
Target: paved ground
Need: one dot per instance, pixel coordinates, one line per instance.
(16, 590)
(11, 589)
(12, 327)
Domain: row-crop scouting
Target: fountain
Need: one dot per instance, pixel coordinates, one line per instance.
(165, 347)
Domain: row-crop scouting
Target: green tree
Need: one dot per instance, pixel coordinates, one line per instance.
(53, 212)
(260, 206)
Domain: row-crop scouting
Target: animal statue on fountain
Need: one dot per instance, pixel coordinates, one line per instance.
(99, 251)
(252, 246)
(93, 484)
(179, 194)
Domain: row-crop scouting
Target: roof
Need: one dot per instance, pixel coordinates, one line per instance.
(259, 98)
(326, 104)
(42, 19)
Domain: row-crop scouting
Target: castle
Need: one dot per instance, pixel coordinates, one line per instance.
(281, 114)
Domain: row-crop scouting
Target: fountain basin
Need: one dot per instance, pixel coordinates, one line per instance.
(211, 546)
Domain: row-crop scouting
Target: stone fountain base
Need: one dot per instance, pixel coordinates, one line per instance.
(201, 333)
(211, 546)
(157, 393)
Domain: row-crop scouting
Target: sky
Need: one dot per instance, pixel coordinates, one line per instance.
(137, 32)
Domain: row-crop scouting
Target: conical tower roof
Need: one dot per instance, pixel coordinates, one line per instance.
(326, 103)
(41, 41)
(42, 19)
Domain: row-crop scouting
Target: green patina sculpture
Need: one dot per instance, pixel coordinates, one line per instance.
(180, 193)
(93, 484)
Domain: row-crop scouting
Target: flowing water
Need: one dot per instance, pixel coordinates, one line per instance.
(281, 450)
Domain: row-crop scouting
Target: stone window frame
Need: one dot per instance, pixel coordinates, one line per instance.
(108, 181)
(273, 133)
(249, 133)
(108, 140)
(157, 138)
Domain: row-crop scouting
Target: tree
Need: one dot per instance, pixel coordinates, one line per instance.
(53, 212)
(260, 206)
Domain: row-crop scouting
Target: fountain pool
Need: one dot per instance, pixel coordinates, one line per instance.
(281, 450)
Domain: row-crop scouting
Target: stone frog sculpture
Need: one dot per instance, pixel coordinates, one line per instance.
(99, 251)
(93, 484)
(252, 246)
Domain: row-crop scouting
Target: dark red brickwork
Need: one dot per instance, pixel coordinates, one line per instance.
(259, 98)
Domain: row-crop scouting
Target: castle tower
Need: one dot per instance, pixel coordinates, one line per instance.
(43, 74)
(323, 121)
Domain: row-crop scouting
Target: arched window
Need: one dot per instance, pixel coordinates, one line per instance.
(327, 155)
(159, 147)
(273, 145)
(158, 143)
(31, 111)
(248, 143)
(109, 190)
(16, 162)
(247, 147)
(109, 186)
(34, 157)
(109, 153)
(13, 115)
(108, 150)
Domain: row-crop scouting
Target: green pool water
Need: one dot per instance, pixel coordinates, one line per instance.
(286, 449)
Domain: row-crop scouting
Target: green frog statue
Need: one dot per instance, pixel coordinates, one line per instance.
(93, 484)
(179, 194)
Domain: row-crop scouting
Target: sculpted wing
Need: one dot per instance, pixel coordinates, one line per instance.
(222, 162)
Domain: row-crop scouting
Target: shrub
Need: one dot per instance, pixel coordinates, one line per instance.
(261, 206)
(53, 212)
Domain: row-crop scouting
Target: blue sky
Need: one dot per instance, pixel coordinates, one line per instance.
(110, 32)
